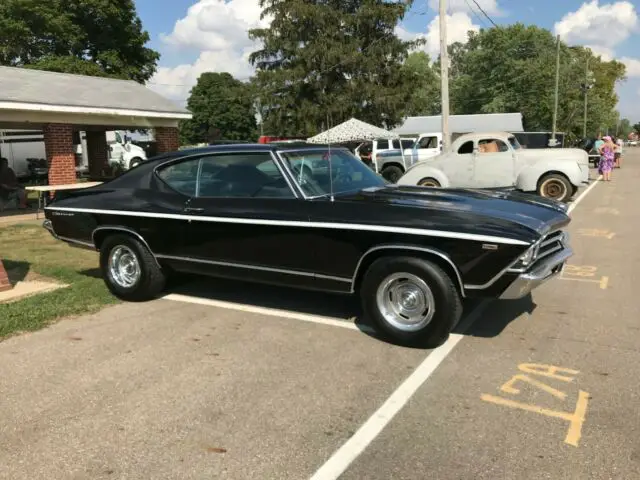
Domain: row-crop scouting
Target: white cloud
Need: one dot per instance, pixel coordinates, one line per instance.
(454, 6)
(458, 26)
(218, 29)
(605, 25)
(633, 66)
(606, 53)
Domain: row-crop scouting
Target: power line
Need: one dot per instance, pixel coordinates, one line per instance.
(484, 13)
(474, 13)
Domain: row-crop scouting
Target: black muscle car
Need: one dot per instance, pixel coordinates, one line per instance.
(315, 217)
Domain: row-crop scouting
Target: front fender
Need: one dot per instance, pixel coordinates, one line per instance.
(528, 177)
(419, 172)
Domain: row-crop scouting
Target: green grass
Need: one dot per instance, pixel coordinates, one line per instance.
(31, 250)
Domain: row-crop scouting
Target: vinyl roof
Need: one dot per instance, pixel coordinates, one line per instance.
(23, 88)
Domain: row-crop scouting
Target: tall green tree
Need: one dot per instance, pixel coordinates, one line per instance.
(425, 78)
(93, 37)
(222, 108)
(323, 62)
(512, 69)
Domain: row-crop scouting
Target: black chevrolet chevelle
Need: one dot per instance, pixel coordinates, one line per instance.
(315, 217)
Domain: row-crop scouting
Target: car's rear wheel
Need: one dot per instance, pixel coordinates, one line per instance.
(429, 182)
(129, 269)
(411, 300)
(392, 173)
(555, 186)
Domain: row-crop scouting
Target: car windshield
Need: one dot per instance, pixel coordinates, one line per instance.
(514, 143)
(311, 170)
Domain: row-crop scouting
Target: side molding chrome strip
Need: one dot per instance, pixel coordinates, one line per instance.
(438, 253)
(78, 242)
(127, 230)
(293, 223)
(253, 267)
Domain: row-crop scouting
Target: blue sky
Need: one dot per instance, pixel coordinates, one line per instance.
(209, 35)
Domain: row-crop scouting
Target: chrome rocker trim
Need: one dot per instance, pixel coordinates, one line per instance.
(546, 270)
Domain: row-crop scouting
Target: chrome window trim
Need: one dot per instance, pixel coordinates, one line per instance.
(247, 266)
(433, 251)
(201, 155)
(127, 230)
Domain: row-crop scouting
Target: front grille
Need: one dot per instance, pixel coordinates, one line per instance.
(548, 245)
(551, 243)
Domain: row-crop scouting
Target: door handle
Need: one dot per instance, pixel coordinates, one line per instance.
(193, 210)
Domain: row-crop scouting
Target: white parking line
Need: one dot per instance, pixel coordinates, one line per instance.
(274, 312)
(352, 448)
(584, 194)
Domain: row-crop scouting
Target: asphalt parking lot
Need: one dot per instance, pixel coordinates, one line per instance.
(226, 380)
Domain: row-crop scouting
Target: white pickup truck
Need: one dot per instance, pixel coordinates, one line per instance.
(496, 160)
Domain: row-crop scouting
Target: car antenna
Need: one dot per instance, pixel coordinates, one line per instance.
(330, 168)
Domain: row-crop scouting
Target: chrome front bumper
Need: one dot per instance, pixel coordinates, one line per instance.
(547, 269)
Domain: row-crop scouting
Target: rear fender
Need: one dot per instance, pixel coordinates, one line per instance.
(530, 176)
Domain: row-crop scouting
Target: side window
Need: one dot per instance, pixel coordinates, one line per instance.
(382, 144)
(467, 147)
(428, 142)
(407, 143)
(396, 144)
(492, 145)
(182, 177)
(242, 175)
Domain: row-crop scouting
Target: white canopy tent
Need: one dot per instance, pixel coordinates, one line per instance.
(354, 130)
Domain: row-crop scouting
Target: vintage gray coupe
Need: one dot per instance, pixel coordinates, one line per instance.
(315, 217)
(497, 161)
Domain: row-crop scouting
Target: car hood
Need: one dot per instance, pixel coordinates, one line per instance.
(481, 207)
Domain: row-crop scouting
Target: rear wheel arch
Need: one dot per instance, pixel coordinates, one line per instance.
(439, 258)
(100, 234)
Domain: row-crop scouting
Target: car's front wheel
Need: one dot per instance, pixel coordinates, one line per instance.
(411, 300)
(129, 269)
(555, 186)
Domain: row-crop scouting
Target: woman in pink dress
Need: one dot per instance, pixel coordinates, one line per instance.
(607, 158)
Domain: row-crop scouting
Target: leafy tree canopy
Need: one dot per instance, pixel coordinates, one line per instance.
(512, 69)
(222, 108)
(92, 37)
(323, 62)
(425, 77)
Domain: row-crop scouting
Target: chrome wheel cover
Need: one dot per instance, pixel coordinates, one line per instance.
(553, 189)
(124, 268)
(405, 302)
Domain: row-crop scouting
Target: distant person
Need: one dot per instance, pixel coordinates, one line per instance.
(607, 158)
(9, 186)
(618, 152)
(598, 143)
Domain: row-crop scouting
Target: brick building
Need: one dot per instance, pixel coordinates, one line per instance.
(62, 104)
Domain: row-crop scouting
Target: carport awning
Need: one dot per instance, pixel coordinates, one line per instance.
(38, 97)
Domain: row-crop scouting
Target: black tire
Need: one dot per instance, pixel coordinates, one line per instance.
(392, 173)
(135, 162)
(447, 307)
(555, 186)
(151, 279)
(429, 182)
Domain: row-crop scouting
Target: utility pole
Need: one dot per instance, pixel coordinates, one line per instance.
(553, 142)
(444, 77)
(586, 88)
